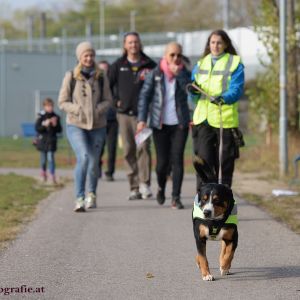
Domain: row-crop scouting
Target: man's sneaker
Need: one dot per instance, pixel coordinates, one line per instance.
(90, 200)
(145, 191)
(176, 203)
(79, 207)
(135, 195)
(160, 197)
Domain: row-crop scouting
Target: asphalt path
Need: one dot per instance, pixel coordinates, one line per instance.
(140, 250)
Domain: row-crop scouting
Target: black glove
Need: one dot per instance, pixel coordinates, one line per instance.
(191, 89)
(217, 100)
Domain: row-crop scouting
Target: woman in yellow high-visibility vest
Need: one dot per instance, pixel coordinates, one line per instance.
(220, 74)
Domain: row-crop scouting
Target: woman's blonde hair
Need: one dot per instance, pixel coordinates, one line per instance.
(78, 68)
(173, 44)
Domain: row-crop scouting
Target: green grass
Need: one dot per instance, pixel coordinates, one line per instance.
(262, 160)
(254, 157)
(18, 199)
(284, 209)
(20, 153)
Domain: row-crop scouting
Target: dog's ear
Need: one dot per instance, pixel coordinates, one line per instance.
(203, 170)
(227, 192)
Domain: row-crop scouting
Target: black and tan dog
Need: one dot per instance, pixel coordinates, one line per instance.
(214, 218)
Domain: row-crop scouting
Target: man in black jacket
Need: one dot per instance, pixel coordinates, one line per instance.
(126, 77)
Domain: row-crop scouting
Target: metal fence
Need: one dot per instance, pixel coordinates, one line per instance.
(64, 44)
(26, 79)
(31, 70)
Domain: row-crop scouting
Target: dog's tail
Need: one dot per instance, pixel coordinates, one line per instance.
(204, 171)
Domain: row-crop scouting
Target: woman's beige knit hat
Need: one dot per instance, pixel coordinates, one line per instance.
(83, 47)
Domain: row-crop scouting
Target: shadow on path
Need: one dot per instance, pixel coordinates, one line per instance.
(265, 273)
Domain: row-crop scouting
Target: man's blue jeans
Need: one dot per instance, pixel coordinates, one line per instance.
(87, 146)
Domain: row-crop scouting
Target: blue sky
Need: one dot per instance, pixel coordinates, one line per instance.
(26, 3)
(15, 4)
(8, 6)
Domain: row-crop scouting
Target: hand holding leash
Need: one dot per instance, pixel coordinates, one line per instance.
(195, 89)
(217, 100)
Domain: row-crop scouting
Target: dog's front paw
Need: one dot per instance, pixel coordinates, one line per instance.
(208, 277)
(224, 272)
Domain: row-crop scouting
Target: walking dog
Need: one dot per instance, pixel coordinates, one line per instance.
(214, 218)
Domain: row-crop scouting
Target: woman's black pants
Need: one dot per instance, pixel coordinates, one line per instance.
(169, 145)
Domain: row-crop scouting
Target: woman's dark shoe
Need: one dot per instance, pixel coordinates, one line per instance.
(176, 203)
(109, 176)
(160, 197)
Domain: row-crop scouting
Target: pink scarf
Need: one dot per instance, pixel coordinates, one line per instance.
(165, 68)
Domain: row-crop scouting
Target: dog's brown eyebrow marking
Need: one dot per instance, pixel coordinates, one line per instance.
(215, 197)
(205, 197)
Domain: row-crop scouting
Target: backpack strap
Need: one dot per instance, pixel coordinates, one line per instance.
(73, 83)
(101, 84)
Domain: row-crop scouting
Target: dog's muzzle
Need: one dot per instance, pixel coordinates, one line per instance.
(207, 213)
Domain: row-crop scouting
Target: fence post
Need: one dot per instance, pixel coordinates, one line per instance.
(2, 85)
(37, 102)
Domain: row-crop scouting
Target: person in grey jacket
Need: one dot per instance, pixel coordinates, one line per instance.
(85, 96)
(164, 99)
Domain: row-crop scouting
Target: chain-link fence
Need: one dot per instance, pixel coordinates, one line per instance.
(67, 44)
(31, 69)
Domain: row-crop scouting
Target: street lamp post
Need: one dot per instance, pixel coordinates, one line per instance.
(102, 23)
(43, 30)
(2, 83)
(226, 14)
(30, 29)
(64, 61)
(283, 147)
(88, 31)
(132, 20)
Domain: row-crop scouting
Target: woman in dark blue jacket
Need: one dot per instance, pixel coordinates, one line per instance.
(163, 99)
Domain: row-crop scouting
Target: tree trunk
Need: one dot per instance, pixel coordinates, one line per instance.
(269, 135)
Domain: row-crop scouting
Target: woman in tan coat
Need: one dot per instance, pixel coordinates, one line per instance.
(85, 96)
